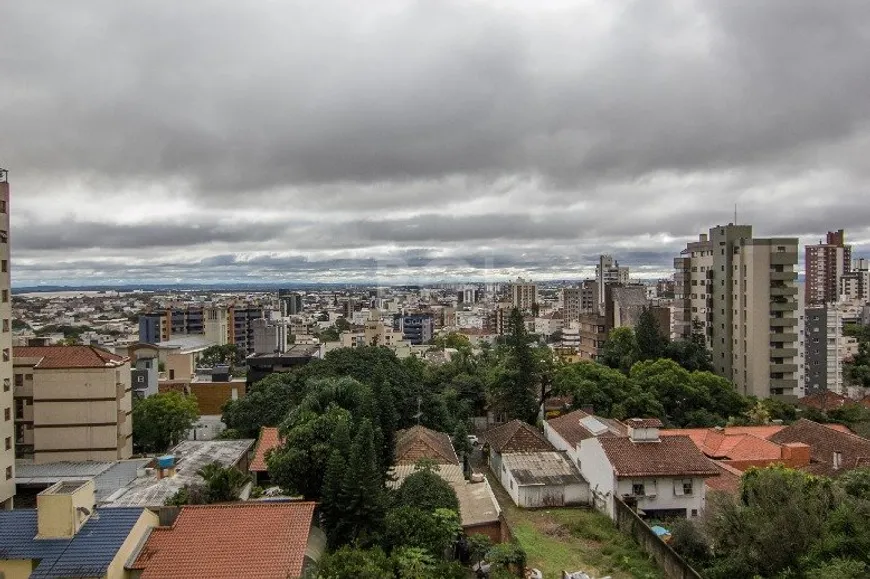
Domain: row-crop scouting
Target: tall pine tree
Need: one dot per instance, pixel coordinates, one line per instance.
(332, 510)
(388, 420)
(362, 488)
(516, 385)
(650, 342)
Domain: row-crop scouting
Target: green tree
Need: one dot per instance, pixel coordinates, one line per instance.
(228, 354)
(299, 465)
(426, 490)
(620, 351)
(342, 325)
(413, 563)
(267, 404)
(650, 341)
(514, 386)
(222, 484)
(355, 563)
(414, 527)
(362, 491)
(460, 440)
(163, 420)
(857, 483)
(331, 507)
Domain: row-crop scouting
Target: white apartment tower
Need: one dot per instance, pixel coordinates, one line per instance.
(608, 271)
(7, 424)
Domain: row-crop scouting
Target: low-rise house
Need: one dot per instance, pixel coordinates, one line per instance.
(824, 400)
(268, 440)
(251, 540)
(66, 535)
(479, 511)
(832, 451)
(664, 475)
(531, 470)
(566, 432)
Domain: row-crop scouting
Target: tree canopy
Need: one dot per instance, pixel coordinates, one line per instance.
(163, 420)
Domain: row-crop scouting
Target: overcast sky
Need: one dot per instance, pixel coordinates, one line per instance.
(265, 140)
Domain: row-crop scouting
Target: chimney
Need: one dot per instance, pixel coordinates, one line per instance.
(643, 429)
(63, 508)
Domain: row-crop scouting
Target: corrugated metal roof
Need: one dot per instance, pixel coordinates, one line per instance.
(542, 468)
(87, 554)
(108, 476)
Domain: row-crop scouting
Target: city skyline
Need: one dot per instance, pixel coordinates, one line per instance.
(153, 142)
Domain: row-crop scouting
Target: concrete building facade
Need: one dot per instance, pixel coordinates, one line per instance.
(7, 428)
(72, 403)
(855, 284)
(579, 300)
(825, 265)
(749, 306)
(608, 271)
(524, 295)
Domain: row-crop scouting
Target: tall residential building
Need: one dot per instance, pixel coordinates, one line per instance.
(827, 345)
(72, 403)
(524, 295)
(825, 265)
(579, 300)
(290, 302)
(608, 271)
(855, 284)
(417, 328)
(221, 325)
(749, 306)
(693, 289)
(270, 337)
(7, 427)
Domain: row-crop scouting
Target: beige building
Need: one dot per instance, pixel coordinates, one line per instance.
(72, 403)
(67, 536)
(579, 300)
(7, 427)
(750, 305)
(693, 289)
(524, 295)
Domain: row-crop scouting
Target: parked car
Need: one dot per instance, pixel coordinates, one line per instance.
(473, 440)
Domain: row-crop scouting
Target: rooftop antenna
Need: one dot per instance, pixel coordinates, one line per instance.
(735, 214)
(419, 412)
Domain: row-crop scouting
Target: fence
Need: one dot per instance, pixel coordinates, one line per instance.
(674, 566)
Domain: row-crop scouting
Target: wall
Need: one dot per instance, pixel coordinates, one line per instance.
(535, 496)
(146, 521)
(211, 396)
(665, 497)
(492, 530)
(180, 366)
(596, 469)
(667, 559)
(16, 569)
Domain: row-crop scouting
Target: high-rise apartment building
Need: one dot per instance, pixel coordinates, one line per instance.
(290, 302)
(827, 345)
(825, 265)
(7, 426)
(524, 295)
(855, 284)
(608, 271)
(749, 304)
(579, 300)
(221, 325)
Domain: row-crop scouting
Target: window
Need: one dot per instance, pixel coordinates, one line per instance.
(5, 294)
(4, 266)
(694, 512)
(5, 325)
(19, 380)
(512, 485)
(7, 414)
(6, 384)
(2, 206)
(637, 489)
(8, 443)
(6, 356)
(4, 236)
(8, 473)
(683, 487)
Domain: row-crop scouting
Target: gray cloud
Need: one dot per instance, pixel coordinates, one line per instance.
(342, 131)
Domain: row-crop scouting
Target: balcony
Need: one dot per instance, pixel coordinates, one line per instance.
(782, 337)
(783, 276)
(783, 352)
(782, 291)
(783, 368)
(784, 258)
(784, 383)
(783, 307)
(783, 322)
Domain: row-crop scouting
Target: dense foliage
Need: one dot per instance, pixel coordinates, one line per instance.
(783, 524)
(163, 420)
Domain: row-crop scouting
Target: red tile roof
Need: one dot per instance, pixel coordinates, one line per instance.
(420, 442)
(268, 440)
(251, 540)
(669, 456)
(69, 356)
(516, 436)
(568, 426)
(824, 442)
(728, 480)
(733, 443)
(840, 428)
(824, 400)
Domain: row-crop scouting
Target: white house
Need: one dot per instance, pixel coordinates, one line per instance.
(533, 472)
(565, 432)
(665, 475)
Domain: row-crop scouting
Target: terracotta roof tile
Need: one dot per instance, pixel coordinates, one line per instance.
(669, 456)
(267, 441)
(251, 540)
(728, 480)
(824, 400)
(516, 436)
(572, 431)
(824, 442)
(420, 442)
(69, 356)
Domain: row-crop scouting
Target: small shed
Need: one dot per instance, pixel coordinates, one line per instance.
(543, 479)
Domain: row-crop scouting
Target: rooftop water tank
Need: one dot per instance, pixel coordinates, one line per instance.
(166, 461)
